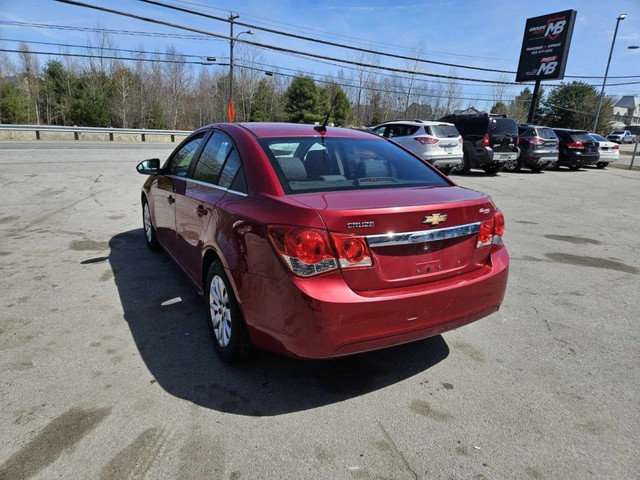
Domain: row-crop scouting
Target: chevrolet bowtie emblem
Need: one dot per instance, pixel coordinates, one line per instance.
(434, 219)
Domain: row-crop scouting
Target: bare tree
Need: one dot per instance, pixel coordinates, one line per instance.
(177, 80)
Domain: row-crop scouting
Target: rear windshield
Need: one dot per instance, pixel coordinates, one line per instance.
(320, 164)
(503, 125)
(547, 133)
(444, 131)
(581, 137)
(599, 138)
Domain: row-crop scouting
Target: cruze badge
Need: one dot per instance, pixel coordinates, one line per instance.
(434, 219)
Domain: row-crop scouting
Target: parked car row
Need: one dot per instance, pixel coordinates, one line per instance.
(457, 143)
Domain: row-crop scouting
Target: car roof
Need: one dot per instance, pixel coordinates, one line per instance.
(570, 130)
(273, 130)
(428, 123)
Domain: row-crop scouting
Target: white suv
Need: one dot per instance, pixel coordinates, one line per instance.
(439, 143)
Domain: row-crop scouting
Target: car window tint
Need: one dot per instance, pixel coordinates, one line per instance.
(444, 131)
(547, 133)
(582, 137)
(348, 164)
(230, 169)
(239, 182)
(210, 162)
(178, 163)
(504, 125)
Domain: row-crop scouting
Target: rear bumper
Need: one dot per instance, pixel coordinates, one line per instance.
(538, 159)
(445, 161)
(579, 159)
(322, 317)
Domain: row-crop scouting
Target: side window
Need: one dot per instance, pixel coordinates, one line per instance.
(212, 158)
(230, 169)
(379, 130)
(178, 163)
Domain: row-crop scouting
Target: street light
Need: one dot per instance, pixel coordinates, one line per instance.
(232, 40)
(622, 16)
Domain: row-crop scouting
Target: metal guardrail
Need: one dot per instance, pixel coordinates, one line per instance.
(77, 131)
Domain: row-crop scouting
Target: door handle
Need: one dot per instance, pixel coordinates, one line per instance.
(201, 211)
(171, 200)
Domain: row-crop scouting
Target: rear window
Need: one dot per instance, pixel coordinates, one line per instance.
(503, 125)
(547, 134)
(321, 164)
(444, 131)
(581, 137)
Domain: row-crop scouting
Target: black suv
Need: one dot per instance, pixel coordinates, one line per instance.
(538, 148)
(577, 148)
(489, 141)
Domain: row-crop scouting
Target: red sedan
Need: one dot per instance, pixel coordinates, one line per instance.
(322, 242)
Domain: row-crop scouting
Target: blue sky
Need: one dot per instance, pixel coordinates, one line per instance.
(472, 33)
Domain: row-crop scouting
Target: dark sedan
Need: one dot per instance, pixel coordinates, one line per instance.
(577, 149)
(321, 242)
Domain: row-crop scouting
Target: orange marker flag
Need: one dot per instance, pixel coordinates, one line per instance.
(231, 111)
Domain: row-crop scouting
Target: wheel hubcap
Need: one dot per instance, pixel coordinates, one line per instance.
(220, 310)
(147, 223)
(511, 165)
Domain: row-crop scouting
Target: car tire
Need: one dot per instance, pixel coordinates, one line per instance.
(464, 167)
(574, 167)
(513, 165)
(493, 168)
(447, 170)
(150, 237)
(538, 168)
(227, 327)
(602, 165)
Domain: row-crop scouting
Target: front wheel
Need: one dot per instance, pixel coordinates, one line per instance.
(602, 165)
(493, 168)
(226, 324)
(150, 237)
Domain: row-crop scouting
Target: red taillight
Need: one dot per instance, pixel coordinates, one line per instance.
(491, 230)
(460, 139)
(485, 140)
(517, 140)
(575, 145)
(308, 251)
(536, 141)
(616, 147)
(309, 246)
(353, 251)
(426, 140)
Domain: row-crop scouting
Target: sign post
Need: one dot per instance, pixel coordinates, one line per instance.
(545, 48)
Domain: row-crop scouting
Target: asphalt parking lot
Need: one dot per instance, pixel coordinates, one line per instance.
(107, 370)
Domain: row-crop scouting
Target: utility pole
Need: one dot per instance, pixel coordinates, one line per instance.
(231, 109)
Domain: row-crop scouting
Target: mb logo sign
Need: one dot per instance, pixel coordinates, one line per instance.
(545, 46)
(554, 28)
(547, 67)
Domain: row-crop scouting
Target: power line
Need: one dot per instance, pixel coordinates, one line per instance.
(349, 47)
(110, 57)
(93, 48)
(325, 42)
(280, 49)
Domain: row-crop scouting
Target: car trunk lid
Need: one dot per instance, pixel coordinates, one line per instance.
(415, 235)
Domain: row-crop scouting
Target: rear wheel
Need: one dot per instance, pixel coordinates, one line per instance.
(574, 167)
(447, 170)
(493, 168)
(464, 167)
(537, 168)
(513, 165)
(226, 324)
(602, 165)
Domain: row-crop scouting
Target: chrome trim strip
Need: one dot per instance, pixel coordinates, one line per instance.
(207, 184)
(422, 236)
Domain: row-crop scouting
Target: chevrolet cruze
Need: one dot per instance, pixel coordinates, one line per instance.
(320, 242)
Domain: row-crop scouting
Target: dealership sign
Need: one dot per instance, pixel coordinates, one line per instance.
(545, 46)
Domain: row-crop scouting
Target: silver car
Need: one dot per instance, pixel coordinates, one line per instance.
(439, 143)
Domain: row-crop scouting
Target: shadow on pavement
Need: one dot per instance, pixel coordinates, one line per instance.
(168, 324)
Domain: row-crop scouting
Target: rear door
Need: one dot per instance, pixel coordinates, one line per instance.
(196, 210)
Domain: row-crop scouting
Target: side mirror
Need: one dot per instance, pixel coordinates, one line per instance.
(149, 167)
